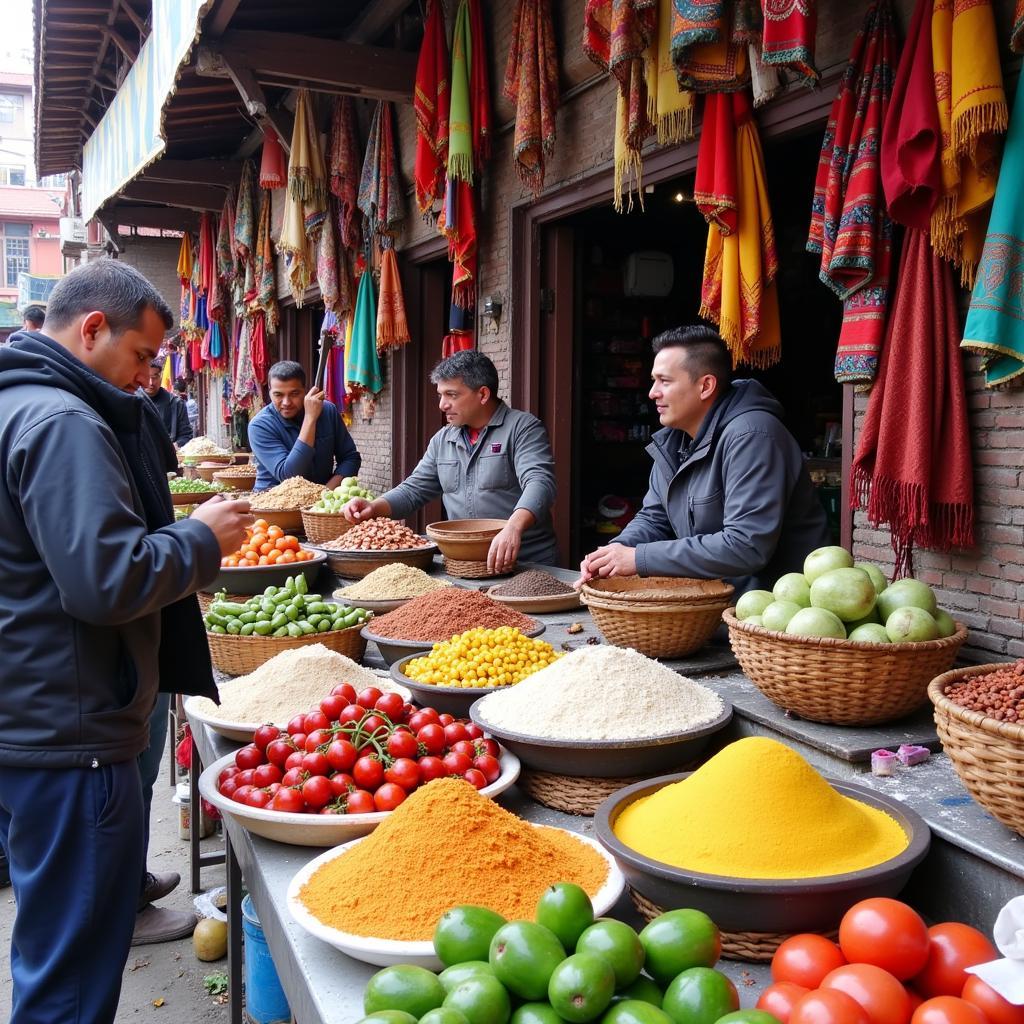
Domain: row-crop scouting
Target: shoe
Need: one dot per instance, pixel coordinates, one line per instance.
(158, 886)
(157, 924)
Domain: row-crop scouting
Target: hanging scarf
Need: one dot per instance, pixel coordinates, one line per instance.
(479, 89)
(244, 220)
(913, 464)
(460, 332)
(266, 282)
(225, 236)
(346, 284)
(715, 189)
(166, 380)
(245, 384)
(995, 320)
(789, 29)
(362, 366)
(673, 106)
(972, 112)
(380, 192)
(327, 264)
(430, 103)
(458, 224)
(1017, 32)
(849, 225)
(344, 171)
(258, 348)
(531, 83)
(207, 253)
(272, 164)
(185, 260)
(738, 292)
(392, 325)
(765, 80)
(460, 124)
(705, 53)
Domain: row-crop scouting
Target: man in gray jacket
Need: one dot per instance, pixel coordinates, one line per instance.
(489, 462)
(729, 493)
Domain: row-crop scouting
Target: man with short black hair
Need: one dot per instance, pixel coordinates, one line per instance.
(191, 407)
(32, 318)
(172, 409)
(729, 494)
(300, 434)
(490, 462)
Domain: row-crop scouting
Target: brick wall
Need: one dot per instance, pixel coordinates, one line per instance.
(373, 436)
(157, 258)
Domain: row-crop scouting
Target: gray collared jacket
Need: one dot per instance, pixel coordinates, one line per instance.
(510, 467)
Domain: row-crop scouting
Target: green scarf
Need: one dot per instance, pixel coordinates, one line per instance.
(460, 118)
(362, 367)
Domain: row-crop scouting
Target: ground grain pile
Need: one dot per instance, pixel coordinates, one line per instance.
(533, 583)
(294, 493)
(390, 583)
(443, 614)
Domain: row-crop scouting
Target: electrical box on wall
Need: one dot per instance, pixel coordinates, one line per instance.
(649, 273)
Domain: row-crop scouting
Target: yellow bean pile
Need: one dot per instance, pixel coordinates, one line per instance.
(482, 657)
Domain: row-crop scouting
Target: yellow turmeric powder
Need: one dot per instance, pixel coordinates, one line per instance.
(757, 809)
(444, 846)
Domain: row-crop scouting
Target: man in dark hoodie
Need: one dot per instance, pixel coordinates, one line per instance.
(97, 610)
(173, 412)
(729, 494)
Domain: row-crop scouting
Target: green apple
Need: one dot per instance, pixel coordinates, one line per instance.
(816, 622)
(848, 593)
(793, 587)
(906, 593)
(876, 574)
(869, 633)
(753, 602)
(822, 560)
(777, 615)
(947, 627)
(911, 625)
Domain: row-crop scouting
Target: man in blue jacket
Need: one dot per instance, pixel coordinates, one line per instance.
(300, 434)
(97, 610)
(729, 494)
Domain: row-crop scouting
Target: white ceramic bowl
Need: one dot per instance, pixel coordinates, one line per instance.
(385, 952)
(318, 829)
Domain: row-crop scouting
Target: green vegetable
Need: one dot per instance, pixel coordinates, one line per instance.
(248, 629)
(179, 485)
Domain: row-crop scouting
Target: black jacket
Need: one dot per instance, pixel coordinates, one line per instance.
(97, 581)
(173, 415)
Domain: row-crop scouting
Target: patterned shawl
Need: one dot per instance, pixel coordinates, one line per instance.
(715, 189)
(1017, 32)
(707, 57)
(673, 106)
(765, 80)
(392, 325)
(265, 280)
(327, 264)
(225, 235)
(789, 29)
(995, 320)
(380, 191)
(362, 366)
(972, 112)
(344, 171)
(849, 225)
(531, 83)
(273, 170)
(431, 103)
(458, 224)
(245, 223)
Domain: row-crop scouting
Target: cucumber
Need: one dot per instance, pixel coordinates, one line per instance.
(263, 629)
(294, 629)
(234, 627)
(217, 629)
(280, 631)
(248, 629)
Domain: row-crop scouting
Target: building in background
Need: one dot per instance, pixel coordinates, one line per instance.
(17, 163)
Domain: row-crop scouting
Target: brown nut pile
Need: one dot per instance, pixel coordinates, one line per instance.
(998, 694)
(377, 535)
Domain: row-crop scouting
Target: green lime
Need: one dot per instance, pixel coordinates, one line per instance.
(403, 987)
(678, 940)
(523, 955)
(482, 1000)
(455, 975)
(444, 1015)
(390, 1017)
(566, 909)
(748, 1017)
(643, 989)
(465, 933)
(581, 987)
(635, 1011)
(700, 995)
(536, 1013)
(618, 944)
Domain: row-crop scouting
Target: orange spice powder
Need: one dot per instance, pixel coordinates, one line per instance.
(444, 846)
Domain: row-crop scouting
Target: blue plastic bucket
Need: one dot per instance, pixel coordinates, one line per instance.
(265, 1001)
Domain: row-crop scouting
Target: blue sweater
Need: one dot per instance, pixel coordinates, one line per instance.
(280, 454)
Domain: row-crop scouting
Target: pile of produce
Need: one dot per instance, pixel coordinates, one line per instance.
(448, 612)
(757, 809)
(451, 846)
(201, 446)
(290, 495)
(998, 694)
(602, 693)
(391, 583)
(533, 583)
(245, 469)
(179, 485)
(335, 500)
(356, 753)
(378, 535)
(834, 597)
(282, 611)
(889, 967)
(266, 545)
(482, 657)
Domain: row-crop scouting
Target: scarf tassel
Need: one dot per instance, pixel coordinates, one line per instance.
(675, 127)
(987, 119)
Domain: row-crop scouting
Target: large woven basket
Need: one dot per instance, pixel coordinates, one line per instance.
(240, 655)
(678, 622)
(836, 681)
(321, 527)
(988, 755)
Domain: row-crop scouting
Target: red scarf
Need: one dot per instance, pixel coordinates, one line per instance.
(430, 102)
(273, 166)
(479, 89)
(789, 29)
(458, 224)
(343, 166)
(716, 186)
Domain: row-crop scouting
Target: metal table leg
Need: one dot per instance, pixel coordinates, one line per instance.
(197, 859)
(234, 910)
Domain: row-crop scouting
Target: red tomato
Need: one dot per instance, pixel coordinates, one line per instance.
(778, 999)
(249, 757)
(317, 791)
(368, 772)
(258, 798)
(360, 802)
(488, 746)
(457, 764)
(445, 719)
(488, 766)
(404, 772)
(388, 797)
(315, 763)
(342, 783)
(474, 777)
(454, 732)
(298, 740)
(241, 794)
(294, 759)
(474, 731)
(915, 999)
(390, 704)
(467, 747)
(403, 744)
(886, 933)
(952, 947)
(374, 723)
(266, 775)
(432, 768)
(884, 999)
(352, 713)
(332, 706)
(432, 738)
(265, 735)
(297, 724)
(227, 787)
(425, 716)
(293, 777)
(991, 1003)
(346, 691)
(948, 1010)
(825, 1006)
(288, 800)
(273, 788)
(806, 959)
(341, 755)
(368, 697)
(318, 738)
(245, 778)
(229, 773)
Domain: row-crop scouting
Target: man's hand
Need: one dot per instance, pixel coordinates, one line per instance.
(358, 510)
(504, 549)
(611, 560)
(313, 403)
(228, 520)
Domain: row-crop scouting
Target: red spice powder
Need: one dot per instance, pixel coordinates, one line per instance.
(442, 614)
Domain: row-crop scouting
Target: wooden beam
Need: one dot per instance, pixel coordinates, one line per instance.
(130, 14)
(111, 228)
(255, 99)
(222, 173)
(163, 217)
(122, 44)
(218, 21)
(375, 18)
(191, 197)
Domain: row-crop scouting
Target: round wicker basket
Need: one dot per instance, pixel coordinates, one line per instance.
(240, 655)
(572, 794)
(231, 477)
(321, 527)
(835, 681)
(988, 755)
(471, 569)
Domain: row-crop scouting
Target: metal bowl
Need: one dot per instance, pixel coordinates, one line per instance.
(356, 564)
(602, 759)
(453, 700)
(255, 579)
(392, 650)
(763, 904)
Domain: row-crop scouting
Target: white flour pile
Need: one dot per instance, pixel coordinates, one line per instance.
(291, 683)
(602, 693)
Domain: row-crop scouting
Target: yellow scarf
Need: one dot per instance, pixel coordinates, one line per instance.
(972, 112)
(671, 107)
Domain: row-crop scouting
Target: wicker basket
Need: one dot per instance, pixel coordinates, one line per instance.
(988, 755)
(471, 569)
(679, 624)
(321, 527)
(289, 519)
(572, 794)
(835, 681)
(240, 655)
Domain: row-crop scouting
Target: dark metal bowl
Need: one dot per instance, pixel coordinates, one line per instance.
(453, 700)
(392, 650)
(606, 759)
(255, 579)
(763, 904)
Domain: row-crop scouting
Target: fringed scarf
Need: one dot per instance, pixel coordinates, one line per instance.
(469, 125)
(460, 332)
(327, 264)
(673, 106)
(245, 226)
(344, 171)
(995, 320)
(380, 191)
(531, 83)
(273, 168)
(849, 224)
(738, 293)
(706, 55)
(1017, 31)
(789, 30)
(430, 103)
(479, 90)
(266, 282)
(458, 224)
(362, 366)
(765, 80)
(225, 240)
(715, 188)
(972, 113)
(392, 325)
(185, 260)
(913, 464)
